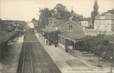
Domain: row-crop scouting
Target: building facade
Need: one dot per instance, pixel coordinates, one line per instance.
(85, 22)
(104, 22)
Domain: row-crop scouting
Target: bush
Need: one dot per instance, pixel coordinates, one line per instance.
(98, 46)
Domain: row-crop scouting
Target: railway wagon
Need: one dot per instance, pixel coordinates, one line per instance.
(52, 37)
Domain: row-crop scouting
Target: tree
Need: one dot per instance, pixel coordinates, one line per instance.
(43, 18)
(94, 13)
(61, 11)
(60, 7)
(75, 16)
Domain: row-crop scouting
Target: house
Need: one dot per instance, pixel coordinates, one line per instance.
(85, 22)
(104, 22)
(70, 33)
(11, 24)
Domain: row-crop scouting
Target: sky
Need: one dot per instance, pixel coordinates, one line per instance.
(27, 9)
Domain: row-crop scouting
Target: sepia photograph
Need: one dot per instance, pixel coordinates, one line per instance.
(56, 36)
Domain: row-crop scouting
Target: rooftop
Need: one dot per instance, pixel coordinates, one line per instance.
(69, 29)
(76, 33)
(106, 15)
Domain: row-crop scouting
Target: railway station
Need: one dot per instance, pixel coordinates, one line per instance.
(56, 36)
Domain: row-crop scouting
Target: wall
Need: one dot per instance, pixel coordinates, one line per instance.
(84, 23)
(103, 25)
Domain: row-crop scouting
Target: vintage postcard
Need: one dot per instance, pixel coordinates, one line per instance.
(56, 36)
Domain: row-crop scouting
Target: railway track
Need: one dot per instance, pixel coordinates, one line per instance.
(34, 58)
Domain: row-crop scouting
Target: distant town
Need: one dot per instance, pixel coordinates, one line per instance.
(61, 41)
